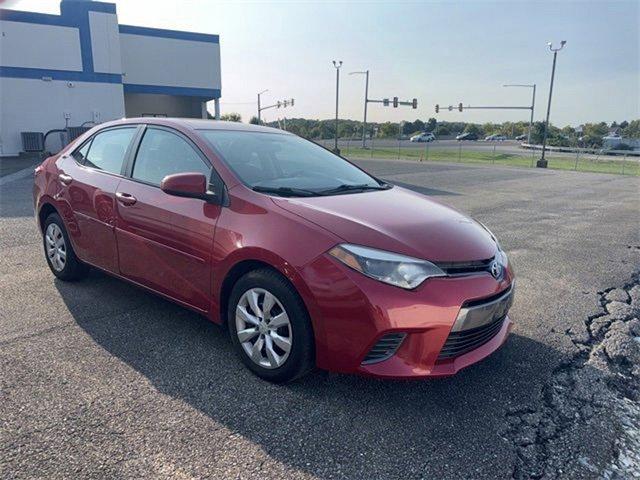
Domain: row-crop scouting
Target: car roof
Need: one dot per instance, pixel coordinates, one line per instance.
(198, 124)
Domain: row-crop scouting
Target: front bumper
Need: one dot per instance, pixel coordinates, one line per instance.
(352, 313)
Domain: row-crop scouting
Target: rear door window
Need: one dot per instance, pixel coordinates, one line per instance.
(108, 149)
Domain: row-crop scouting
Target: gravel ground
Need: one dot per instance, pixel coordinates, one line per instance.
(101, 379)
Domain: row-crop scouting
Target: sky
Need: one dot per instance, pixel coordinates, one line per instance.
(438, 52)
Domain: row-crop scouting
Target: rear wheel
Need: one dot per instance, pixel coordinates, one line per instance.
(270, 327)
(61, 258)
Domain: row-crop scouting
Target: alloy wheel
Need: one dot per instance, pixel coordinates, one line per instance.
(56, 247)
(263, 328)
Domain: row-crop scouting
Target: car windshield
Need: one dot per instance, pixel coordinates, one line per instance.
(287, 165)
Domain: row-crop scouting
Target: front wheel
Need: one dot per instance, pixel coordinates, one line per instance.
(270, 327)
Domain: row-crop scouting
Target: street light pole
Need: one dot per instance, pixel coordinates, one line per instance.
(533, 105)
(542, 163)
(337, 65)
(259, 109)
(366, 101)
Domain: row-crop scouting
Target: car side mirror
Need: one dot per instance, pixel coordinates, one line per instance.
(192, 185)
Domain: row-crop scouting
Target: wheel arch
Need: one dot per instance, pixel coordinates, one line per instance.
(233, 275)
(253, 259)
(46, 209)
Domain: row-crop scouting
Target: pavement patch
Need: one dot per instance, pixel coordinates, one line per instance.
(602, 377)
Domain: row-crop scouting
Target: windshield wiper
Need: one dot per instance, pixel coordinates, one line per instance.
(345, 187)
(285, 191)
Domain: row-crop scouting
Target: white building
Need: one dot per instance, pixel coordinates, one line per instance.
(81, 67)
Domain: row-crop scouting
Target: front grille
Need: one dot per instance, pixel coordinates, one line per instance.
(462, 342)
(384, 348)
(466, 268)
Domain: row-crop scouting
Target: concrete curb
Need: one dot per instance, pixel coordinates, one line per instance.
(20, 174)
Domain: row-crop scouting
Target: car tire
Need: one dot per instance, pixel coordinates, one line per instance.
(58, 251)
(262, 351)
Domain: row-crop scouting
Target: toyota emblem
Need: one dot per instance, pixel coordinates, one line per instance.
(496, 269)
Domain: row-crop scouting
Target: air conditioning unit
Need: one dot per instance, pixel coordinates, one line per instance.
(32, 141)
(75, 132)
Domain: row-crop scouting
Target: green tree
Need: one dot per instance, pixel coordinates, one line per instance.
(473, 128)
(389, 129)
(431, 125)
(345, 129)
(444, 129)
(632, 129)
(254, 121)
(231, 117)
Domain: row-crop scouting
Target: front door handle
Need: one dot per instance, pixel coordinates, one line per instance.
(125, 198)
(65, 179)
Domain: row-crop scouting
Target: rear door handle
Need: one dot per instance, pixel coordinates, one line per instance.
(65, 179)
(125, 198)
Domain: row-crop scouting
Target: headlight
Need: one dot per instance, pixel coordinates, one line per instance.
(392, 268)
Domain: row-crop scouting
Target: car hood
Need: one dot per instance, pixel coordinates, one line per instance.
(397, 220)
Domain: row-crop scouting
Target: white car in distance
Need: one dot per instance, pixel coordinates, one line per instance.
(423, 137)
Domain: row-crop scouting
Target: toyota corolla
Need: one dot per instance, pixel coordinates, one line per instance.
(308, 260)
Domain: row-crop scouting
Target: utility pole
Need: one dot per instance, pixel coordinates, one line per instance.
(366, 100)
(259, 109)
(542, 163)
(337, 65)
(533, 104)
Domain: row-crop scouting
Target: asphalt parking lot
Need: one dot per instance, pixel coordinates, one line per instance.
(101, 379)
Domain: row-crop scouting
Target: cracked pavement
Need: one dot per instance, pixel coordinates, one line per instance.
(101, 379)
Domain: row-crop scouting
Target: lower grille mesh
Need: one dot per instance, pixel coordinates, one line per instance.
(384, 348)
(459, 343)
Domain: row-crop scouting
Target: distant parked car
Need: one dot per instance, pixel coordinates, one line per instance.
(467, 136)
(495, 138)
(423, 137)
(521, 138)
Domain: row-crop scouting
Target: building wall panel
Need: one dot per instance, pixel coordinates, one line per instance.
(105, 42)
(152, 60)
(30, 45)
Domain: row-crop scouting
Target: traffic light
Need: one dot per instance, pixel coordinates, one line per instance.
(414, 104)
(385, 102)
(279, 104)
(291, 102)
(437, 108)
(395, 102)
(460, 107)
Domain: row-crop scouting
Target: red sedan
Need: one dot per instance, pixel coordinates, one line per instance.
(307, 259)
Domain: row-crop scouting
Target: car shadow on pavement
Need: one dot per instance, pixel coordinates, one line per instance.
(325, 424)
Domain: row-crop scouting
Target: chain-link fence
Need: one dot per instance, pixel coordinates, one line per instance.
(507, 153)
